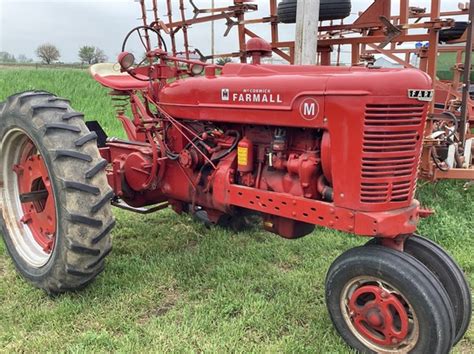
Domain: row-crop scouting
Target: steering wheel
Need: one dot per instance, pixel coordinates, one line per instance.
(143, 33)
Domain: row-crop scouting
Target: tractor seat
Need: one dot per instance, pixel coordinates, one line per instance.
(109, 75)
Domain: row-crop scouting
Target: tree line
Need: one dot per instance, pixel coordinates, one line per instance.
(49, 54)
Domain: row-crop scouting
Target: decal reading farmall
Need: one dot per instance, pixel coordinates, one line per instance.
(251, 96)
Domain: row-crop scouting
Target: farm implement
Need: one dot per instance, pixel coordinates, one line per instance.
(300, 146)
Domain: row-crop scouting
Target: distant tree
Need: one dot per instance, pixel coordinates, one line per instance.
(7, 58)
(91, 55)
(86, 54)
(223, 61)
(99, 56)
(48, 53)
(23, 59)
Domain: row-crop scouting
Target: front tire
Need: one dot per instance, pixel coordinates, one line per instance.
(384, 301)
(55, 210)
(445, 268)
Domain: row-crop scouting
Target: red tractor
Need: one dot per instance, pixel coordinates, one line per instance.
(300, 146)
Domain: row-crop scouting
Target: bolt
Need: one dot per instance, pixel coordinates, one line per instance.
(342, 195)
(394, 341)
(384, 294)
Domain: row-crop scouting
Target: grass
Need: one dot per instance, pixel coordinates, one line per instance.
(173, 285)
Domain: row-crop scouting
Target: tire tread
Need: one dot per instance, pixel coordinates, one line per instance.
(85, 242)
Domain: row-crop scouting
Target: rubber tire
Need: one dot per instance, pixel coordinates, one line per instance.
(421, 288)
(449, 274)
(456, 32)
(80, 188)
(328, 10)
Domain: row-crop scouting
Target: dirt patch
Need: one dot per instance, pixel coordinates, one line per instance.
(166, 304)
(465, 346)
(285, 267)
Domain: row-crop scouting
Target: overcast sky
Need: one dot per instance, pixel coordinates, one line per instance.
(69, 24)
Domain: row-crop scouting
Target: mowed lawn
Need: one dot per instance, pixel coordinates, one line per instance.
(171, 284)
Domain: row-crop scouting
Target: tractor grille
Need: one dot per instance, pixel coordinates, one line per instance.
(392, 136)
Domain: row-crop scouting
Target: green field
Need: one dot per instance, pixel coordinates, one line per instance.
(171, 284)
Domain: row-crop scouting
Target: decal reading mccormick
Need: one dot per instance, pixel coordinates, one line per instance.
(251, 96)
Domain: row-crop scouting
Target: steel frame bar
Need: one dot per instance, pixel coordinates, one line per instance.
(466, 76)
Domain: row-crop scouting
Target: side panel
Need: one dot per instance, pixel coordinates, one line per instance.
(375, 150)
(278, 101)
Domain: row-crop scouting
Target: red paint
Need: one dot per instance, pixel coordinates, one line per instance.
(258, 48)
(382, 319)
(309, 109)
(298, 122)
(39, 214)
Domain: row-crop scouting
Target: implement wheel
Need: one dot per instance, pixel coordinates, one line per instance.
(445, 268)
(55, 210)
(384, 301)
(328, 10)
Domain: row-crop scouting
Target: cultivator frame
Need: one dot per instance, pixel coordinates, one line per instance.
(375, 32)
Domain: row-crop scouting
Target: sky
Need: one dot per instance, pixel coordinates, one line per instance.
(70, 24)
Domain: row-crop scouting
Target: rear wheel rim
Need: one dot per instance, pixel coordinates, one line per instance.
(379, 315)
(29, 208)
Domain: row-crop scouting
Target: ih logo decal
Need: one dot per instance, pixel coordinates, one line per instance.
(309, 109)
(225, 94)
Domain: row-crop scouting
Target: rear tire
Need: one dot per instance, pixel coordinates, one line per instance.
(381, 300)
(40, 129)
(449, 274)
(329, 10)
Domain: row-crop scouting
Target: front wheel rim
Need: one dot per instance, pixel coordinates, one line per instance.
(379, 315)
(29, 209)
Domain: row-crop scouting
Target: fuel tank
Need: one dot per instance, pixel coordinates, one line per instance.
(284, 95)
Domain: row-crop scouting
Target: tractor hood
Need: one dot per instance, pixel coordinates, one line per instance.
(287, 95)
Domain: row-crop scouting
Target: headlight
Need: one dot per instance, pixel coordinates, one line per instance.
(197, 69)
(126, 60)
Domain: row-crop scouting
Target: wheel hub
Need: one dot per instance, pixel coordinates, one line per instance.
(36, 197)
(374, 318)
(379, 315)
